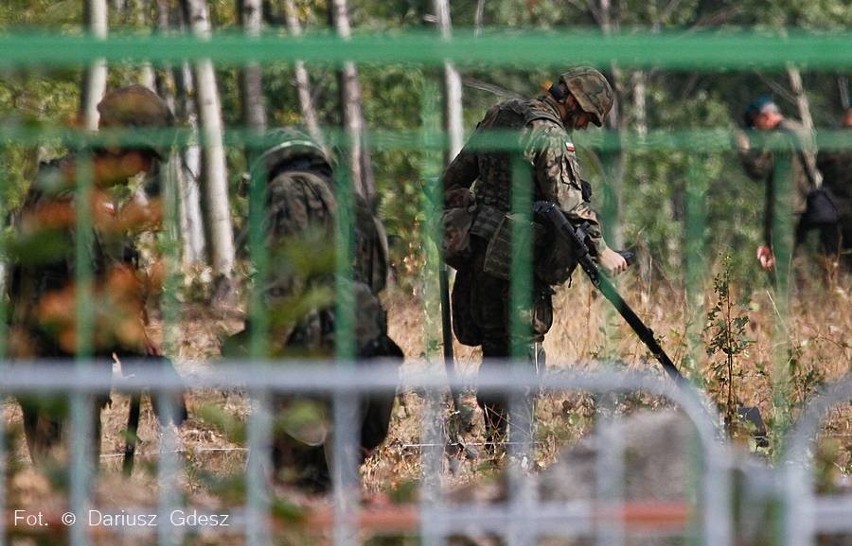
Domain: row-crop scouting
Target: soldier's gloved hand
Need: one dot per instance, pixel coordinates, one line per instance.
(612, 262)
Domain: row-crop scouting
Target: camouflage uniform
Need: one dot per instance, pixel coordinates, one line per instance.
(41, 288)
(481, 293)
(300, 213)
(759, 165)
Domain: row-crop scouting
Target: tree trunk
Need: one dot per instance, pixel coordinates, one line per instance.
(804, 108)
(639, 81)
(801, 97)
(189, 174)
(452, 85)
(95, 78)
(214, 181)
(350, 102)
(137, 13)
(614, 161)
(303, 84)
(188, 168)
(254, 105)
(478, 17)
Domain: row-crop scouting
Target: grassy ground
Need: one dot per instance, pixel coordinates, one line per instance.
(814, 341)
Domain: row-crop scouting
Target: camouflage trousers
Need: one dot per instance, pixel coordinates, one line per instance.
(482, 315)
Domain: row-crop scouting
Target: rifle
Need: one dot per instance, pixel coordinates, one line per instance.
(573, 235)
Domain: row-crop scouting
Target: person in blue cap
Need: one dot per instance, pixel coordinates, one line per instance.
(759, 151)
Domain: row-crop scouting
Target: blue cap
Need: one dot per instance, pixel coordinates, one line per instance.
(755, 107)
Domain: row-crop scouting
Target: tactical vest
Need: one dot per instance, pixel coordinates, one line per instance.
(302, 201)
(554, 260)
(495, 168)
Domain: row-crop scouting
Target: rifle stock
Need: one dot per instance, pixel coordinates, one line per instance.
(565, 229)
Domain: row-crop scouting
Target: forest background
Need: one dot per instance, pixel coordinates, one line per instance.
(641, 187)
(664, 156)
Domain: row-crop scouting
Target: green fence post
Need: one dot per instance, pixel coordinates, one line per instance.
(782, 246)
(433, 422)
(258, 316)
(695, 261)
(431, 225)
(81, 411)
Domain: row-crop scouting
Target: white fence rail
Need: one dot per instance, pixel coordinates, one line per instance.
(521, 518)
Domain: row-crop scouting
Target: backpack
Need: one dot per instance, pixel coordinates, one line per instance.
(302, 209)
(554, 259)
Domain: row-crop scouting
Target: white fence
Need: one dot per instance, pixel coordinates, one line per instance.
(522, 517)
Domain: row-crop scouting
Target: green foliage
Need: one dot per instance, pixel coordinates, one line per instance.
(656, 181)
(229, 426)
(31, 102)
(17, 14)
(726, 328)
(805, 378)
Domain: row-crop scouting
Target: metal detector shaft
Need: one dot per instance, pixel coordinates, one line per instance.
(566, 229)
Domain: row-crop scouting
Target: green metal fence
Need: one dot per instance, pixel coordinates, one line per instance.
(705, 52)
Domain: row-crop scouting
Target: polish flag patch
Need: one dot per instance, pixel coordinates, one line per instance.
(569, 146)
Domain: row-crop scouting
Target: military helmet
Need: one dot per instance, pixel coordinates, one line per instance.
(592, 91)
(139, 107)
(285, 145)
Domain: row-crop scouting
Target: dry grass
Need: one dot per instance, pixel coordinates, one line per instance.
(817, 333)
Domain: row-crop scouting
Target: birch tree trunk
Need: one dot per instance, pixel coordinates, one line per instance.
(802, 104)
(303, 84)
(478, 17)
(189, 173)
(95, 78)
(639, 85)
(188, 167)
(452, 85)
(804, 107)
(214, 182)
(350, 103)
(614, 161)
(138, 10)
(254, 105)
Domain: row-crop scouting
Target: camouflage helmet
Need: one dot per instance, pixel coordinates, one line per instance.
(592, 91)
(139, 107)
(287, 144)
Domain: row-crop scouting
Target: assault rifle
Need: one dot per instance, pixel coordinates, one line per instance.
(575, 236)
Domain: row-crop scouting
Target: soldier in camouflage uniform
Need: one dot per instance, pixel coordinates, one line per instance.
(836, 169)
(42, 288)
(765, 121)
(299, 221)
(479, 182)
